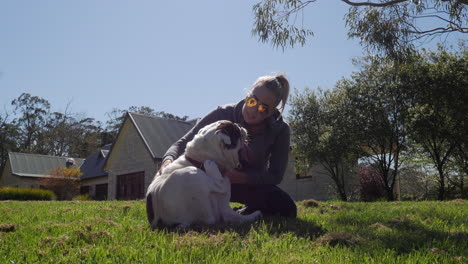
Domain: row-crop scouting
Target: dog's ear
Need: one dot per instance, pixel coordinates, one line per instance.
(231, 133)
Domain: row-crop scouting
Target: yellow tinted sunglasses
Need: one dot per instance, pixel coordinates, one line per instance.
(251, 101)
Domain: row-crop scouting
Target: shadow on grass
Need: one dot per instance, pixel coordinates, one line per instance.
(270, 225)
(405, 235)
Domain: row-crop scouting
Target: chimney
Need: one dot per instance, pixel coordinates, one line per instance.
(70, 162)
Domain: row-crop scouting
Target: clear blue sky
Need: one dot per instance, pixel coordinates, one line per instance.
(181, 57)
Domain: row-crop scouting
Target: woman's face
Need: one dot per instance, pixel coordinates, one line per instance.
(265, 99)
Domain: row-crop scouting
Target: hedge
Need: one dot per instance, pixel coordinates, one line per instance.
(26, 194)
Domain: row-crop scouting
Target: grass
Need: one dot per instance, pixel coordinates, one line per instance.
(325, 232)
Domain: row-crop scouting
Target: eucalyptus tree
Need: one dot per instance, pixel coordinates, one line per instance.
(388, 26)
(8, 134)
(70, 134)
(32, 112)
(117, 116)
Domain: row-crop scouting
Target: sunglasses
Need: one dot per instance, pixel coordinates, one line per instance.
(252, 101)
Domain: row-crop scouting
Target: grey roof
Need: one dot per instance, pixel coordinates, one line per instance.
(93, 165)
(34, 165)
(159, 133)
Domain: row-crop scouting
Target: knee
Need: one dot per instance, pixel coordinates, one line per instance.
(284, 203)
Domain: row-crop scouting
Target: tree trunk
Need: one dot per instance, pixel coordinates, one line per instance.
(441, 195)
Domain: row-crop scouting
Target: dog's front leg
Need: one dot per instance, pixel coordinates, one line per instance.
(212, 171)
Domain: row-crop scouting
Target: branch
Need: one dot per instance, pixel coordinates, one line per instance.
(389, 3)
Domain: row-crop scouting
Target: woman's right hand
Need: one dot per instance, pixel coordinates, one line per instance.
(163, 165)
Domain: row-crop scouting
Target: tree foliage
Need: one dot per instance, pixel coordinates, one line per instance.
(9, 132)
(438, 119)
(380, 101)
(388, 26)
(387, 108)
(64, 182)
(321, 133)
(32, 111)
(33, 128)
(117, 116)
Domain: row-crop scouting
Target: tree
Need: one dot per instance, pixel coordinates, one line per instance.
(65, 135)
(388, 26)
(322, 134)
(380, 99)
(33, 112)
(8, 134)
(438, 119)
(117, 116)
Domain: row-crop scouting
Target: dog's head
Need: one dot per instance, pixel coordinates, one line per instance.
(221, 142)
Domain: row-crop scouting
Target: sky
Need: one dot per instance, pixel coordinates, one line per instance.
(180, 57)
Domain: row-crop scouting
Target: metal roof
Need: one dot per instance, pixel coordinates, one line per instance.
(159, 133)
(34, 165)
(93, 166)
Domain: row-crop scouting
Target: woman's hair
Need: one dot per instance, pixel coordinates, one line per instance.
(278, 84)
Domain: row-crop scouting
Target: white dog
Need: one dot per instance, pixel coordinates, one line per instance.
(184, 193)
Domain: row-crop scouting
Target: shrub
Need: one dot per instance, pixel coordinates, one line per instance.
(82, 197)
(26, 194)
(372, 186)
(65, 182)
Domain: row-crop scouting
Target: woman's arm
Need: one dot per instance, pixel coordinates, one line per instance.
(278, 163)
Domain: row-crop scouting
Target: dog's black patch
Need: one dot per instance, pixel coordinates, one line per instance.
(149, 209)
(232, 130)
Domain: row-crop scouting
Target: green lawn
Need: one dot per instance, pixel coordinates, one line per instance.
(333, 232)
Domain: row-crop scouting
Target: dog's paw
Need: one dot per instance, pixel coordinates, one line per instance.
(210, 167)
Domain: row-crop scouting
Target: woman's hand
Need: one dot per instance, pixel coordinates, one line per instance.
(236, 177)
(163, 165)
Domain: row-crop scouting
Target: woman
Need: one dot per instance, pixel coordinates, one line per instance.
(255, 184)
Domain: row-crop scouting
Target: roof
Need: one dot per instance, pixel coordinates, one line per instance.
(34, 165)
(159, 133)
(93, 165)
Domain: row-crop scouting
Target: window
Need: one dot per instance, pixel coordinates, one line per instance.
(131, 186)
(84, 190)
(101, 192)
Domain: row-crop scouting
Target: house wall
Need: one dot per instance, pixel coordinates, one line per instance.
(6, 173)
(129, 155)
(318, 187)
(10, 180)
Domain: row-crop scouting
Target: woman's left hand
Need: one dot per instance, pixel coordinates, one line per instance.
(236, 177)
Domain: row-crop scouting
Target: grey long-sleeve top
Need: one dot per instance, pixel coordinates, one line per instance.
(270, 148)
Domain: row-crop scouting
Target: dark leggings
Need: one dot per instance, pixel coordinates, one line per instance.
(269, 199)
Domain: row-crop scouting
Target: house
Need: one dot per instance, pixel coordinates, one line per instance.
(315, 184)
(94, 179)
(136, 155)
(26, 170)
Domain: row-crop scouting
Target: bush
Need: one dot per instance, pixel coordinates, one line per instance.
(65, 182)
(82, 197)
(26, 194)
(372, 186)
